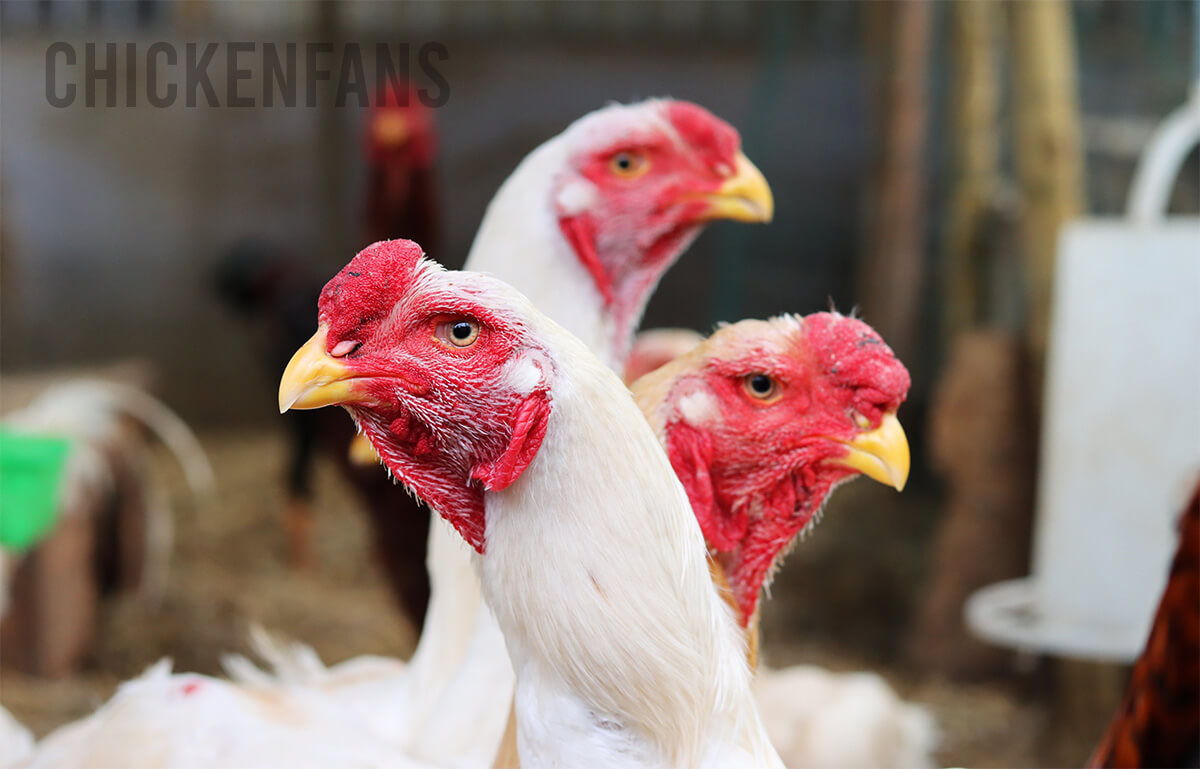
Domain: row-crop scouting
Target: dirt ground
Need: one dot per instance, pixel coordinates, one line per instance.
(842, 600)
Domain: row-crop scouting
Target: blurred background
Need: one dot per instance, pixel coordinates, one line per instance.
(923, 157)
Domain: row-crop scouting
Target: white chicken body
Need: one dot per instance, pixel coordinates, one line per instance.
(842, 720)
(597, 573)
(187, 721)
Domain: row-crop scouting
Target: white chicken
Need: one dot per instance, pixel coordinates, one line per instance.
(567, 230)
(16, 742)
(842, 720)
(587, 548)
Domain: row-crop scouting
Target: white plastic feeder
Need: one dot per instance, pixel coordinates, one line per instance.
(1120, 449)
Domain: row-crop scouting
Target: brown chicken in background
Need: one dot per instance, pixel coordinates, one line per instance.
(1158, 723)
(400, 143)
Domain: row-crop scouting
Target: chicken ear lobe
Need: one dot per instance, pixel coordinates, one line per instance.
(529, 429)
(691, 454)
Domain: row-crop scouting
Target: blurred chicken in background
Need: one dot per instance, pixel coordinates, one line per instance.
(401, 195)
(85, 513)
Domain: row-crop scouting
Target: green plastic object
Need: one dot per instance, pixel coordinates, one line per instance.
(31, 473)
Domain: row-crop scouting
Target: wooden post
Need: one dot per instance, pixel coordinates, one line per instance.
(974, 108)
(1050, 171)
(1048, 152)
(891, 274)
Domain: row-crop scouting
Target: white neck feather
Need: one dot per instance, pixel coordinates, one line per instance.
(595, 568)
(520, 242)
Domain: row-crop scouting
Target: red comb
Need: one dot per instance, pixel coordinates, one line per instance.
(854, 351)
(374, 279)
(714, 140)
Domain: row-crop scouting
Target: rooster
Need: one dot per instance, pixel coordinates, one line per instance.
(1158, 722)
(763, 419)
(401, 143)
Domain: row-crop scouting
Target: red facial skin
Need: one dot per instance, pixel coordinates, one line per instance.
(444, 419)
(639, 224)
(757, 472)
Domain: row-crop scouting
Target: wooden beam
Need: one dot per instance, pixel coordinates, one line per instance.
(974, 106)
(892, 270)
(1048, 149)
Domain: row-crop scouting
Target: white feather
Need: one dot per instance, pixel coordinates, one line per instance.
(16, 743)
(842, 721)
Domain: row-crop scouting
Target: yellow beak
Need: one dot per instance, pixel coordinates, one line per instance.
(314, 378)
(743, 197)
(880, 454)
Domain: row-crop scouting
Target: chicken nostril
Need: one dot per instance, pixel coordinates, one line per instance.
(861, 420)
(344, 348)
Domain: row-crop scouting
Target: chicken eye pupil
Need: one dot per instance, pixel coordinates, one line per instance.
(624, 162)
(461, 330)
(760, 383)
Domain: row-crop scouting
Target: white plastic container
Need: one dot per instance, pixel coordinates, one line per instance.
(1120, 450)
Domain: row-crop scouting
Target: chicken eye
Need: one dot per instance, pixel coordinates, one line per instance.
(629, 164)
(761, 387)
(459, 333)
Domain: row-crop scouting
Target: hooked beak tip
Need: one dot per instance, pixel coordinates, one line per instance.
(881, 454)
(313, 378)
(744, 197)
